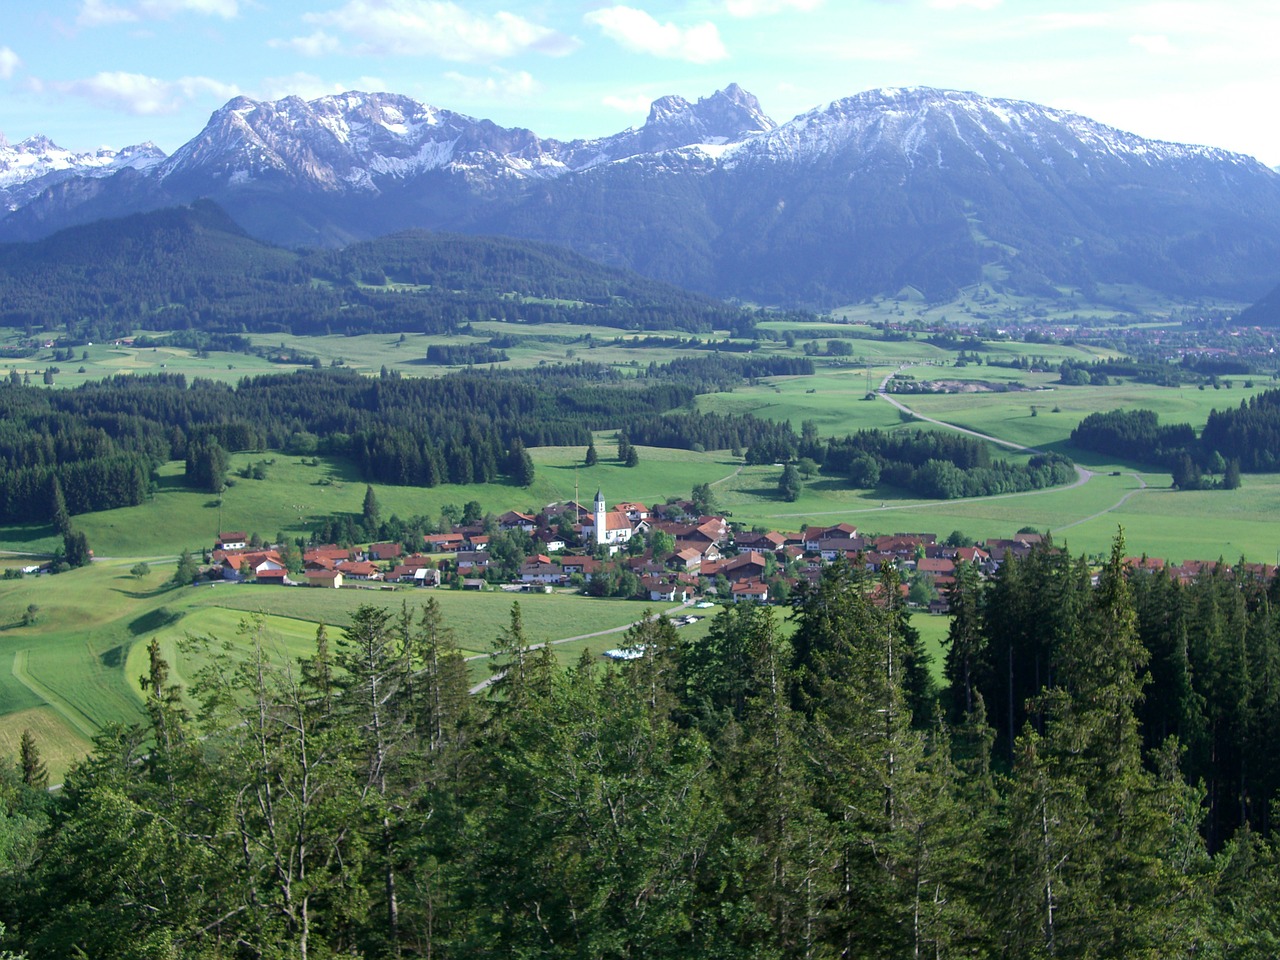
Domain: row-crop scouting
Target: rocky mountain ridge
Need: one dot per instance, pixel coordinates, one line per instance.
(916, 187)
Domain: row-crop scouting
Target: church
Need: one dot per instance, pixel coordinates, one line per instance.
(610, 528)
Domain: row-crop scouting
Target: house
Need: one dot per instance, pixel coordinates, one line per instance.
(770, 542)
(325, 578)
(280, 576)
(635, 511)
(936, 567)
(328, 551)
(470, 561)
(443, 542)
(587, 567)
(426, 577)
(550, 541)
(236, 566)
(686, 559)
(663, 591)
(813, 535)
(750, 590)
(361, 570)
(384, 551)
(541, 570)
(235, 540)
(514, 520)
(832, 547)
(743, 567)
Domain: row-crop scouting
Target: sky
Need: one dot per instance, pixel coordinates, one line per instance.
(91, 73)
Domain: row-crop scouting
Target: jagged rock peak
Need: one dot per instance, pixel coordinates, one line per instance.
(727, 116)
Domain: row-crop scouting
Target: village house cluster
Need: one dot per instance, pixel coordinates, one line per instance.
(665, 552)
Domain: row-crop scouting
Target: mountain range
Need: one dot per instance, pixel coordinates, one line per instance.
(920, 189)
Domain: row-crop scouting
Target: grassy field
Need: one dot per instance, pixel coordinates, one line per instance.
(77, 665)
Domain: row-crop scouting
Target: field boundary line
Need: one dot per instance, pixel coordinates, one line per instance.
(72, 714)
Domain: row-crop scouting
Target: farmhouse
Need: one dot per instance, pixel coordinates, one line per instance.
(325, 578)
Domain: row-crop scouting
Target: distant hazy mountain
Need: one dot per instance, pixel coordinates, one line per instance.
(925, 188)
(194, 269)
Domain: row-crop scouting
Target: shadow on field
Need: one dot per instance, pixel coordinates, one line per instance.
(114, 657)
(156, 619)
(145, 594)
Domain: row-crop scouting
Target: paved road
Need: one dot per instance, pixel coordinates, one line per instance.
(1083, 475)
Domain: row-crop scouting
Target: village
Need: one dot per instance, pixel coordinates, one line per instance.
(665, 552)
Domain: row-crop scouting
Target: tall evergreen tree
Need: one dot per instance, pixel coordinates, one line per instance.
(370, 513)
(34, 772)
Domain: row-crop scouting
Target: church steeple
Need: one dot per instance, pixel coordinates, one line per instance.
(601, 523)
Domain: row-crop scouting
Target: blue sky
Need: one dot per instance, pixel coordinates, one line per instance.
(89, 73)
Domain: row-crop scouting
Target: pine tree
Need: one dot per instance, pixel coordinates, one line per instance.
(34, 772)
(591, 458)
(789, 484)
(371, 513)
(519, 464)
(964, 638)
(58, 507)
(187, 570)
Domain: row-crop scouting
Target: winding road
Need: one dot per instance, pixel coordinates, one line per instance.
(1083, 475)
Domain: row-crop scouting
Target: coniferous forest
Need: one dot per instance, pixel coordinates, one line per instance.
(1093, 779)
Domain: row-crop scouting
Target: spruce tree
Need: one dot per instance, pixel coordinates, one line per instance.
(371, 513)
(34, 772)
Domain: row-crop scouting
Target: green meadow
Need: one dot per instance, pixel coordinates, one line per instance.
(77, 665)
(73, 664)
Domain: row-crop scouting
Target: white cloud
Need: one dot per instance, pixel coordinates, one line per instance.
(502, 83)
(759, 8)
(9, 63)
(638, 31)
(318, 44)
(139, 94)
(1154, 43)
(636, 103)
(964, 4)
(226, 9)
(438, 28)
(94, 13)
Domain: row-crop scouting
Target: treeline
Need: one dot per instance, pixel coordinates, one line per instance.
(751, 793)
(192, 268)
(1247, 436)
(715, 431)
(102, 440)
(719, 372)
(464, 354)
(1134, 435)
(937, 465)
(1249, 433)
